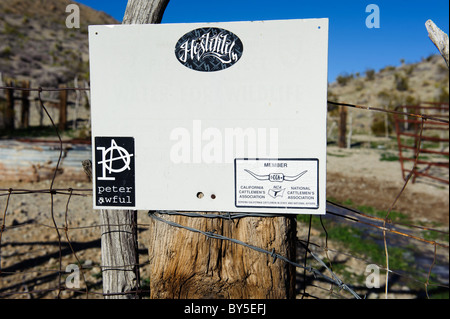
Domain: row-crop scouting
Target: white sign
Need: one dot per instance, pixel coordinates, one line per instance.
(210, 116)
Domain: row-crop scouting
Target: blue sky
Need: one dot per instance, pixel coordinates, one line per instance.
(353, 47)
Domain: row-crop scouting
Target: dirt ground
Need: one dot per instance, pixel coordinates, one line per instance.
(31, 253)
(359, 175)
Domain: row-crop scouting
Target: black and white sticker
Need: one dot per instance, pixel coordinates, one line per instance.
(114, 172)
(209, 49)
(277, 183)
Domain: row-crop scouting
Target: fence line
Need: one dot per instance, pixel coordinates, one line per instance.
(344, 213)
(377, 109)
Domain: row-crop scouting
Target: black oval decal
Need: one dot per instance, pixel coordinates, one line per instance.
(209, 49)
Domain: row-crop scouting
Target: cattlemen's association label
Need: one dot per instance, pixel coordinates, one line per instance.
(209, 49)
(115, 171)
(277, 183)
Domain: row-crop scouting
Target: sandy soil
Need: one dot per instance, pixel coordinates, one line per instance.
(30, 251)
(359, 175)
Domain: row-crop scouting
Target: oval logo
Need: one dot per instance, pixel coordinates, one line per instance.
(209, 49)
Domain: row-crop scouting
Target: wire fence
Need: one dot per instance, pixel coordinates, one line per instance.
(29, 270)
(437, 134)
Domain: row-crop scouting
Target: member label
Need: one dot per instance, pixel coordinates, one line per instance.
(277, 183)
(114, 171)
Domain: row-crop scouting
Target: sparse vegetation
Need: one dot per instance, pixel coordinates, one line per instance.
(407, 84)
(363, 243)
(379, 125)
(6, 52)
(389, 157)
(344, 79)
(401, 82)
(370, 74)
(388, 68)
(409, 69)
(368, 244)
(443, 95)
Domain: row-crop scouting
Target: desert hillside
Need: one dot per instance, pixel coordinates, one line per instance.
(406, 84)
(36, 45)
(426, 80)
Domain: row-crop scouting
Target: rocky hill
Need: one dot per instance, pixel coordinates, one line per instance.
(424, 81)
(35, 43)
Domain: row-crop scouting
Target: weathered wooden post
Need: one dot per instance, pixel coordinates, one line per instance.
(9, 110)
(342, 126)
(77, 103)
(439, 38)
(62, 108)
(120, 257)
(25, 110)
(350, 131)
(189, 265)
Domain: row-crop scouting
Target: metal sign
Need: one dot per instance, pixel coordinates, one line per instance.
(210, 116)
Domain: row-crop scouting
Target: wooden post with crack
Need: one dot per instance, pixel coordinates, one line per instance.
(439, 38)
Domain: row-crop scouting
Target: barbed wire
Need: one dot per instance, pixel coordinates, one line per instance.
(385, 225)
(386, 110)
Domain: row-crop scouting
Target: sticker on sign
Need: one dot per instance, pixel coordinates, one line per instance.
(115, 171)
(277, 183)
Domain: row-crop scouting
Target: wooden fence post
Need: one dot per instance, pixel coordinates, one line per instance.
(9, 114)
(350, 131)
(62, 108)
(120, 270)
(25, 111)
(119, 227)
(439, 38)
(77, 103)
(342, 126)
(187, 265)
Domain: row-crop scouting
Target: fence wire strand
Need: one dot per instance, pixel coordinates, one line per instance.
(385, 225)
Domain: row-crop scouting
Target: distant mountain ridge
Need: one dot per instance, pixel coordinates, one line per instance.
(426, 80)
(407, 84)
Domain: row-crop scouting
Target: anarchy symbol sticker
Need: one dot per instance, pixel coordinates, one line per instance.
(110, 156)
(114, 171)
